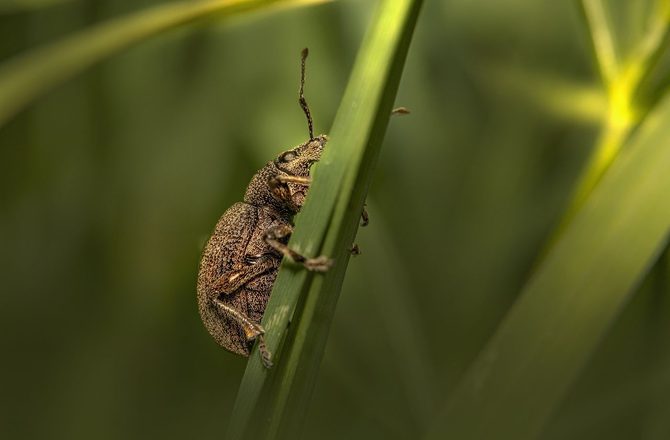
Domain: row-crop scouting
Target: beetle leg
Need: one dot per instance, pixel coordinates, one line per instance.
(252, 331)
(230, 282)
(282, 178)
(365, 218)
(278, 183)
(275, 234)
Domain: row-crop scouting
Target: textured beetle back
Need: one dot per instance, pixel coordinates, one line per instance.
(225, 247)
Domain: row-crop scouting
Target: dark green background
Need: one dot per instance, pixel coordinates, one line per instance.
(110, 185)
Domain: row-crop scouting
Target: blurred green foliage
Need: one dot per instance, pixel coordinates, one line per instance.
(112, 182)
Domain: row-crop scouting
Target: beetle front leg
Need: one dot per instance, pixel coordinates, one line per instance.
(284, 178)
(275, 234)
(252, 331)
(279, 186)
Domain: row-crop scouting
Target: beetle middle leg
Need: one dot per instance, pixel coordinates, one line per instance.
(230, 282)
(252, 331)
(275, 234)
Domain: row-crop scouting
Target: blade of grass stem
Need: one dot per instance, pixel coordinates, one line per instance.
(572, 298)
(601, 38)
(30, 75)
(360, 125)
(327, 225)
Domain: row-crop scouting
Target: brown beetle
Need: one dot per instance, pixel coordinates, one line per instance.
(242, 257)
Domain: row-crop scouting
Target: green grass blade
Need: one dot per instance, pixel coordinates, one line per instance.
(30, 75)
(327, 225)
(602, 41)
(572, 298)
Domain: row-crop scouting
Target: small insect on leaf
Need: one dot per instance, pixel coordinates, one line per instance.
(242, 257)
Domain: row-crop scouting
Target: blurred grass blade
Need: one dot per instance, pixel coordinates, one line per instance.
(327, 225)
(405, 330)
(573, 297)
(582, 103)
(601, 38)
(652, 75)
(20, 6)
(29, 76)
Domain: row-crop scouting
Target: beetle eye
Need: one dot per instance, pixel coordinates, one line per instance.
(288, 156)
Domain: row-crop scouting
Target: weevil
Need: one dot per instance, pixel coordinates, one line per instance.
(241, 259)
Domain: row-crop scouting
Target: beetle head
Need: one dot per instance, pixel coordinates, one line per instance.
(298, 161)
(272, 185)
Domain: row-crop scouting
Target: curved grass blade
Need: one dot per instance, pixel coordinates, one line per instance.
(571, 300)
(326, 225)
(29, 76)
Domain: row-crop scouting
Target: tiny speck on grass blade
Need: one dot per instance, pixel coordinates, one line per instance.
(271, 404)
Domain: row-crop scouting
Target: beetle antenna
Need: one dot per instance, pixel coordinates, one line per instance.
(301, 99)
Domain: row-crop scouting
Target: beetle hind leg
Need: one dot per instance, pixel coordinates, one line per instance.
(252, 331)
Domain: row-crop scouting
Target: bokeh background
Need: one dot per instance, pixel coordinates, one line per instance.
(110, 185)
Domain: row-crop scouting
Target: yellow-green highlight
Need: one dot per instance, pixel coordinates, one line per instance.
(621, 80)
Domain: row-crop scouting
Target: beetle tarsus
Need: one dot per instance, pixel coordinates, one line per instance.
(365, 218)
(266, 356)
